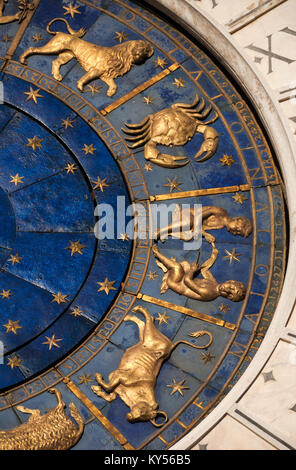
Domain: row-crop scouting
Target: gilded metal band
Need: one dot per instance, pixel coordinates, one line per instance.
(200, 192)
(139, 88)
(186, 311)
(98, 414)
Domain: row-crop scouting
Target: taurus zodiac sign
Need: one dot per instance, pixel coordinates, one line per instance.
(23, 5)
(174, 126)
(135, 379)
(180, 277)
(105, 63)
(51, 431)
(213, 218)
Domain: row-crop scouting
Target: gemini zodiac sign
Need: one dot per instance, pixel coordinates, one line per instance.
(180, 277)
(175, 126)
(134, 380)
(106, 63)
(51, 431)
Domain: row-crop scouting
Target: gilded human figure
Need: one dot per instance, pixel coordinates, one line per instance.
(10, 18)
(213, 218)
(23, 5)
(181, 277)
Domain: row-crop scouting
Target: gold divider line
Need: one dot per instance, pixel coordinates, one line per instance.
(139, 88)
(200, 192)
(98, 414)
(186, 311)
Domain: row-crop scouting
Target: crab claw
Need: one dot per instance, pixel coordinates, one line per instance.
(161, 159)
(209, 145)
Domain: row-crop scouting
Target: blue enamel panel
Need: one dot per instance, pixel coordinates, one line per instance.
(65, 167)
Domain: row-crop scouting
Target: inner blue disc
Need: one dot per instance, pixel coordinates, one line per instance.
(7, 227)
(54, 271)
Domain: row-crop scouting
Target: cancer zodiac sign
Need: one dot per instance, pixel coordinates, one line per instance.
(135, 379)
(175, 126)
(106, 63)
(52, 431)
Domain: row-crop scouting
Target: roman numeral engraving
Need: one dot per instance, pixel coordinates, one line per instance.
(269, 52)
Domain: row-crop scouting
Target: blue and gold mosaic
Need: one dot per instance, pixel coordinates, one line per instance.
(161, 124)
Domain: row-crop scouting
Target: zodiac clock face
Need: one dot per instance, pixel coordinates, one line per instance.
(110, 115)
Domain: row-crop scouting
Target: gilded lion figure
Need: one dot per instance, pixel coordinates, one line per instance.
(53, 430)
(105, 63)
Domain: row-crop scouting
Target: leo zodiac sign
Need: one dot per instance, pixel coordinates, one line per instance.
(106, 63)
(134, 380)
(52, 431)
(174, 126)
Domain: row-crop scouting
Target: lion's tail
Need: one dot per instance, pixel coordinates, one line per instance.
(78, 34)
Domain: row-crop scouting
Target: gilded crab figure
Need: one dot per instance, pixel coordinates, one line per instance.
(175, 126)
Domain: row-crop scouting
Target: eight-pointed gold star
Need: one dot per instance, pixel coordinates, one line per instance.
(151, 276)
(232, 256)
(93, 89)
(67, 122)
(52, 341)
(148, 99)
(224, 308)
(70, 168)
(207, 357)
(178, 82)
(100, 184)
(6, 294)
(37, 37)
(162, 318)
(177, 387)
(148, 167)
(59, 298)
(89, 149)
(106, 286)
(14, 362)
(12, 326)
(34, 142)
(239, 197)
(160, 63)
(76, 312)
(16, 179)
(15, 259)
(121, 36)
(85, 379)
(71, 10)
(33, 95)
(123, 237)
(6, 38)
(173, 184)
(75, 247)
(226, 160)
